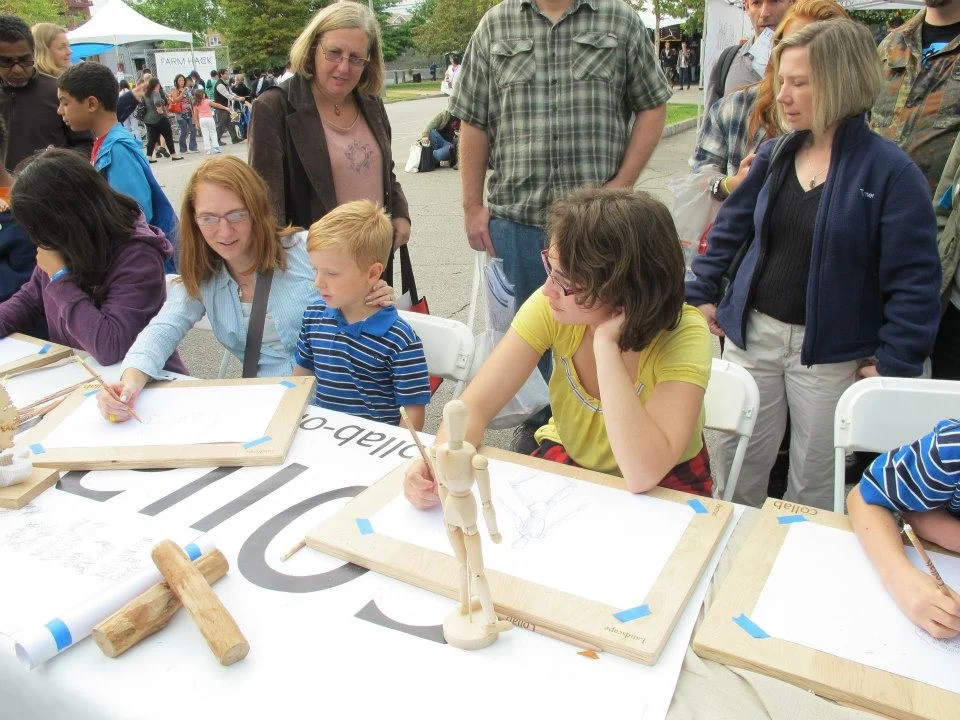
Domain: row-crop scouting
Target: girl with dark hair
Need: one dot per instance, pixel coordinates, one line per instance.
(158, 125)
(99, 277)
(631, 361)
(181, 105)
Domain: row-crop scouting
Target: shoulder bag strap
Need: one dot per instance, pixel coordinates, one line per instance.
(258, 314)
(407, 281)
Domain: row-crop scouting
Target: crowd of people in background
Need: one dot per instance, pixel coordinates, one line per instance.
(833, 255)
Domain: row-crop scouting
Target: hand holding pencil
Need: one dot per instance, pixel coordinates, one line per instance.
(923, 597)
(117, 399)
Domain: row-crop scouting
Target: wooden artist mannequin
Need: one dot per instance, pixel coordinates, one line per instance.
(457, 466)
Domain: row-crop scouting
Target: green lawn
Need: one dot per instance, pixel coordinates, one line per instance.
(679, 112)
(413, 91)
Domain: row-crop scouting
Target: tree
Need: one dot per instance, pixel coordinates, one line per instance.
(194, 16)
(260, 32)
(395, 39)
(446, 26)
(35, 11)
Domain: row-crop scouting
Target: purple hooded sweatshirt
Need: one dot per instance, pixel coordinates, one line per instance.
(136, 290)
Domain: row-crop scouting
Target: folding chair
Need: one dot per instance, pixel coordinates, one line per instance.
(204, 324)
(730, 404)
(879, 414)
(448, 346)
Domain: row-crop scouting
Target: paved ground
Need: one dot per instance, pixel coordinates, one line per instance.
(442, 259)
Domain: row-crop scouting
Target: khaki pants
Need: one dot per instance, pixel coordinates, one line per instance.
(810, 394)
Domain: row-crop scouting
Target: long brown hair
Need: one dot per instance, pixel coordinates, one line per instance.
(198, 261)
(764, 113)
(620, 247)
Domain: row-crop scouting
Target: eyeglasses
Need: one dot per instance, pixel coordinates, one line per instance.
(26, 61)
(561, 282)
(337, 57)
(233, 217)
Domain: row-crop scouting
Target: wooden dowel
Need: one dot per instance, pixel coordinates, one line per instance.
(151, 611)
(52, 396)
(294, 550)
(213, 620)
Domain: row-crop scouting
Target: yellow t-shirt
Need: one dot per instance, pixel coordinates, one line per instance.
(684, 353)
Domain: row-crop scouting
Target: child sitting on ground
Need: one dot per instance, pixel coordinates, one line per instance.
(88, 101)
(367, 360)
(921, 481)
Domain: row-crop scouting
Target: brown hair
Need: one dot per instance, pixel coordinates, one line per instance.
(359, 229)
(620, 247)
(764, 114)
(341, 16)
(197, 261)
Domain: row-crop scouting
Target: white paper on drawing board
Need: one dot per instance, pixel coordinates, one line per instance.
(175, 416)
(32, 386)
(53, 559)
(600, 543)
(12, 349)
(824, 594)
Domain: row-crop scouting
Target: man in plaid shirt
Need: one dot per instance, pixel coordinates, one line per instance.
(546, 96)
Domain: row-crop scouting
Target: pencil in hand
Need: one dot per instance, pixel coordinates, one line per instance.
(922, 552)
(107, 389)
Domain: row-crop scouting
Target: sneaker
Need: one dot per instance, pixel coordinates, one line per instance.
(523, 441)
(217, 151)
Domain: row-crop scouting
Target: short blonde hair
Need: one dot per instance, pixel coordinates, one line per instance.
(844, 68)
(341, 16)
(43, 36)
(359, 229)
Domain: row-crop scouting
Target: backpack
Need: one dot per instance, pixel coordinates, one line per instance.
(724, 62)
(141, 112)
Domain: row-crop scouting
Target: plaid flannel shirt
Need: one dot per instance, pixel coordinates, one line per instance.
(919, 104)
(555, 100)
(723, 140)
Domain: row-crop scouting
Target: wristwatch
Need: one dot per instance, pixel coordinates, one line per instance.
(716, 188)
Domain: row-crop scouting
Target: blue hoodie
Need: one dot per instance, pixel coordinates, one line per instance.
(122, 162)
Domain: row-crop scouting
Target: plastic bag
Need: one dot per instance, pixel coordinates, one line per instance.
(694, 210)
(499, 303)
(413, 159)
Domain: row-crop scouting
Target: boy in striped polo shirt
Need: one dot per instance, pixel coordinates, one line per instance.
(921, 481)
(367, 361)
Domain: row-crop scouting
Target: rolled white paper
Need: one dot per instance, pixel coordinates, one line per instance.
(15, 468)
(34, 646)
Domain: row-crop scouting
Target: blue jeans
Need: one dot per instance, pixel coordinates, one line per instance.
(187, 127)
(519, 247)
(441, 148)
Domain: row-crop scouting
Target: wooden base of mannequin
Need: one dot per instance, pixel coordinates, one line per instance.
(469, 632)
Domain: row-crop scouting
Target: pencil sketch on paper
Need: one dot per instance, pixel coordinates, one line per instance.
(537, 506)
(947, 647)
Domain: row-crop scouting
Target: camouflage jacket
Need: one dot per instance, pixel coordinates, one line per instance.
(919, 104)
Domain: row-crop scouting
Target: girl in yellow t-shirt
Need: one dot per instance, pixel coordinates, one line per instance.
(630, 360)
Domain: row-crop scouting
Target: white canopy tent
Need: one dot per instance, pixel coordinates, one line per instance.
(116, 23)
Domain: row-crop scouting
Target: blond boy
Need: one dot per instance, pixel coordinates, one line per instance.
(367, 360)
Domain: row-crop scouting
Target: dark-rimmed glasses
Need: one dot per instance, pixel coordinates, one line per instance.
(233, 217)
(336, 57)
(566, 287)
(24, 61)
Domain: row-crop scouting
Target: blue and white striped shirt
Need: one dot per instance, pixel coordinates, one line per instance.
(369, 368)
(921, 476)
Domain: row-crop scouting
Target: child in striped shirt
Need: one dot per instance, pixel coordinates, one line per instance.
(367, 360)
(921, 481)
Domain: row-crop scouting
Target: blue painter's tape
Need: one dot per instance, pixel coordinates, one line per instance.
(258, 441)
(44, 349)
(750, 627)
(90, 393)
(633, 613)
(192, 551)
(364, 525)
(288, 384)
(787, 519)
(697, 506)
(37, 449)
(61, 633)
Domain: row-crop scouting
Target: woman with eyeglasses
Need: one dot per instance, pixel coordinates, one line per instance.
(229, 237)
(99, 277)
(630, 360)
(322, 138)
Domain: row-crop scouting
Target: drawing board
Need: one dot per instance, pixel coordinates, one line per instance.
(186, 423)
(620, 588)
(802, 603)
(13, 497)
(21, 352)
